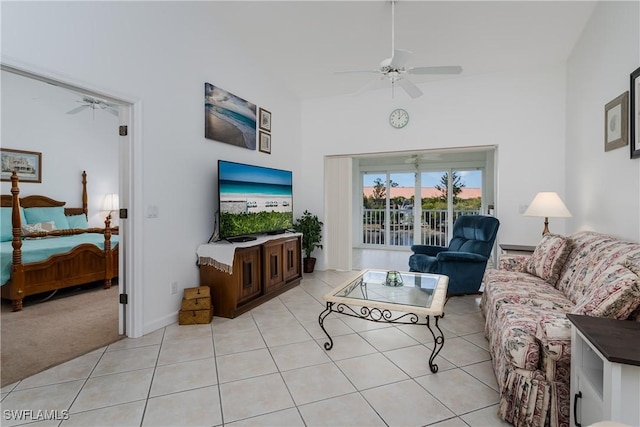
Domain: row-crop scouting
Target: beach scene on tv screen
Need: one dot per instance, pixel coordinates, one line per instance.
(254, 199)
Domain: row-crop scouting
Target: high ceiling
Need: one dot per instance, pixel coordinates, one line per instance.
(304, 42)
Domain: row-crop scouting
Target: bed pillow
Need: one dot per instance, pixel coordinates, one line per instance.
(6, 227)
(78, 221)
(615, 294)
(56, 214)
(549, 257)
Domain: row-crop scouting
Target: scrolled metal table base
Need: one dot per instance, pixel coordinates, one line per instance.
(386, 316)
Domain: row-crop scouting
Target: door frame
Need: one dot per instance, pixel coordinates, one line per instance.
(130, 321)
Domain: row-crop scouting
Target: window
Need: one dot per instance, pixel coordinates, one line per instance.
(407, 202)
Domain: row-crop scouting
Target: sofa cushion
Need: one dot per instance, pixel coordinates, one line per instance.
(522, 289)
(549, 257)
(591, 254)
(527, 292)
(615, 294)
(633, 263)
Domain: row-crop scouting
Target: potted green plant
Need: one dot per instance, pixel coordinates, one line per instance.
(311, 228)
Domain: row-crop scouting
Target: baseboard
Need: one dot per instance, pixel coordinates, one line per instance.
(160, 323)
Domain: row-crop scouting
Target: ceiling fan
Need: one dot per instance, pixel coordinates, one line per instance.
(94, 104)
(395, 69)
(416, 159)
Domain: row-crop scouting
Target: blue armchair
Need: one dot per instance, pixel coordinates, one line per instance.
(465, 260)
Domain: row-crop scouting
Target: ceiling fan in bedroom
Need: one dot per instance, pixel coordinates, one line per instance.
(395, 69)
(94, 104)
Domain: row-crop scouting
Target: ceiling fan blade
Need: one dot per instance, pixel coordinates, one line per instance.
(356, 71)
(377, 83)
(77, 109)
(411, 89)
(400, 57)
(452, 69)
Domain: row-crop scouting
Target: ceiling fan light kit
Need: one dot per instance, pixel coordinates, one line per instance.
(394, 68)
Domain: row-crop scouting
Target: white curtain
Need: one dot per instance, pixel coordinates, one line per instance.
(338, 212)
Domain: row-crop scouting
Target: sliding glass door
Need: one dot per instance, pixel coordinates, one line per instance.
(446, 195)
(400, 208)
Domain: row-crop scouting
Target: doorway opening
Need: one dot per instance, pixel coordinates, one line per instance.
(109, 165)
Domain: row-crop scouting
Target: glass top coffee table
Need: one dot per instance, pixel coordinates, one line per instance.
(392, 297)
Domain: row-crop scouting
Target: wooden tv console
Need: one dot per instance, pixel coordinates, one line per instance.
(260, 273)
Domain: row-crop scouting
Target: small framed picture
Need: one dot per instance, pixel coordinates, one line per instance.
(27, 164)
(635, 114)
(616, 122)
(265, 142)
(265, 120)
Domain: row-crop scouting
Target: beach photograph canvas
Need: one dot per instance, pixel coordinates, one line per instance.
(229, 118)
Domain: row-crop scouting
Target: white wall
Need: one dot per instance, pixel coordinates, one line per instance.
(34, 119)
(521, 112)
(603, 188)
(160, 53)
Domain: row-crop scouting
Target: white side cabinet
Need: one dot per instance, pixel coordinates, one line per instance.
(605, 371)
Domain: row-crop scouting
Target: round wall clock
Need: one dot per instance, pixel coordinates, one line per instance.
(398, 118)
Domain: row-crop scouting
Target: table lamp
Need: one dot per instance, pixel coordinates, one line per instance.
(547, 204)
(110, 203)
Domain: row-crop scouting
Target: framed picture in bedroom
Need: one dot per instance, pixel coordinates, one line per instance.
(27, 164)
(265, 142)
(616, 122)
(265, 120)
(635, 114)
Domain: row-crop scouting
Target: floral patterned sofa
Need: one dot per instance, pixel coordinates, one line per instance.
(525, 301)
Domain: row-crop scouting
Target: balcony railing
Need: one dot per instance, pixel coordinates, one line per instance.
(433, 230)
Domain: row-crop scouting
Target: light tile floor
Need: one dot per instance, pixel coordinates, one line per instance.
(268, 367)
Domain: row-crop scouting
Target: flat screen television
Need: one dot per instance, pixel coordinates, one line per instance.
(253, 200)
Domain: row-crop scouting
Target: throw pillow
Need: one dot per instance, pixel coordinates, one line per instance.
(38, 227)
(549, 257)
(615, 294)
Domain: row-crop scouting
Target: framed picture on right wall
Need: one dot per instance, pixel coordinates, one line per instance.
(635, 114)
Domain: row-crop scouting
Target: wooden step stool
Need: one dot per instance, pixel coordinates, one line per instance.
(196, 306)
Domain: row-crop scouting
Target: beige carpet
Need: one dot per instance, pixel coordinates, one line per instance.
(45, 334)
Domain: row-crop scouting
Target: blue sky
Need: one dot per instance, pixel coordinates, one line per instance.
(248, 173)
(472, 179)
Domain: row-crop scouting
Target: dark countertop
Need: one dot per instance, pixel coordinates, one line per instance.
(617, 340)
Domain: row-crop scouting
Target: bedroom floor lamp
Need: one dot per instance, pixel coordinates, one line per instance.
(110, 203)
(547, 204)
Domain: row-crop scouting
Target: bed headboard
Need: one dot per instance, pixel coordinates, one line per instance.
(37, 201)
